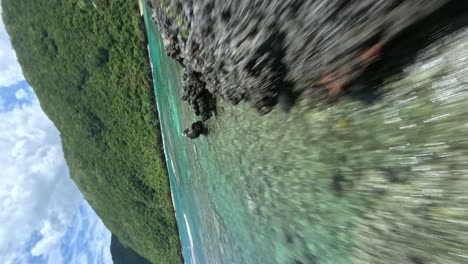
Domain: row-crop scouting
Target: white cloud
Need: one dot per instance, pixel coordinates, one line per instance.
(99, 238)
(82, 259)
(10, 71)
(88, 238)
(52, 236)
(55, 257)
(21, 94)
(36, 192)
(100, 243)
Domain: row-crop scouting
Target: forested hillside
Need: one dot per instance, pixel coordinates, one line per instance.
(124, 255)
(87, 62)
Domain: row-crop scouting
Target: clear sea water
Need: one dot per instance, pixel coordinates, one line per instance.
(351, 182)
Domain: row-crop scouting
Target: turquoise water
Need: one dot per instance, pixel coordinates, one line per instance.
(344, 183)
(165, 75)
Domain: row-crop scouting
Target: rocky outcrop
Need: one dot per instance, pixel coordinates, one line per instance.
(265, 51)
(195, 130)
(196, 94)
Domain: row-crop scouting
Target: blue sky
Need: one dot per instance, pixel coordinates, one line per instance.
(44, 218)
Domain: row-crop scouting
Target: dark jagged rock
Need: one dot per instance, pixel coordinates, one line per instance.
(196, 94)
(195, 130)
(256, 50)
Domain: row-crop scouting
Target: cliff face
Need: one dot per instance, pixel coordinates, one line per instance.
(88, 66)
(263, 51)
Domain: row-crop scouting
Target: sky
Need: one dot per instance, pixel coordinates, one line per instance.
(44, 217)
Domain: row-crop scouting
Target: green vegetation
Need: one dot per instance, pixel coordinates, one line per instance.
(87, 62)
(124, 255)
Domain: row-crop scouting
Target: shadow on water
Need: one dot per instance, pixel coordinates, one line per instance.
(403, 50)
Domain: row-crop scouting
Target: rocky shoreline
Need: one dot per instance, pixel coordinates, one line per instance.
(270, 52)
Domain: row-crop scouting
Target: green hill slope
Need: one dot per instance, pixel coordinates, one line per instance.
(87, 62)
(124, 255)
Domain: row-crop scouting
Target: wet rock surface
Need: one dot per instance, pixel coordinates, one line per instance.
(269, 52)
(196, 94)
(195, 130)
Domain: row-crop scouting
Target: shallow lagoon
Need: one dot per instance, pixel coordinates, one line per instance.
(350, 182)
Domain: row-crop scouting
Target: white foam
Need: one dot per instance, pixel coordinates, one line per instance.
(192, 251)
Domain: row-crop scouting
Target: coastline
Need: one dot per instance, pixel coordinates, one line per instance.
(164, 155)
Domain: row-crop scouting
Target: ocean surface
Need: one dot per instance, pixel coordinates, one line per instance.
(353, 182)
